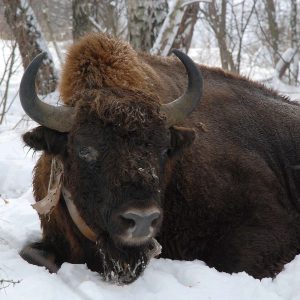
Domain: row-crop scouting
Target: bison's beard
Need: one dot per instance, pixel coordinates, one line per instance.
(120, 264)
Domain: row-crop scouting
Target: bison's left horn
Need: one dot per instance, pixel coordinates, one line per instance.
(57, 118)
(177, 110)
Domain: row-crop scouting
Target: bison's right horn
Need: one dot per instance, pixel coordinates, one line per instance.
(57, 118)
(177, 110)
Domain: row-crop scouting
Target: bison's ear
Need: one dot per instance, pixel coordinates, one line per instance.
(181, 137)
(48, 140)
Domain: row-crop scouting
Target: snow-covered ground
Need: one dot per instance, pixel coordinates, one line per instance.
(163, 279)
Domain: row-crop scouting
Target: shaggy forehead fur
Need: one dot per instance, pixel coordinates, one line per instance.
(97, 61)
(129, 110)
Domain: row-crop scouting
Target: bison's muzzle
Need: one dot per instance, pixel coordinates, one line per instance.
(138, 226)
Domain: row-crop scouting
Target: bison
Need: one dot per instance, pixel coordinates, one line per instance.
(151, 150)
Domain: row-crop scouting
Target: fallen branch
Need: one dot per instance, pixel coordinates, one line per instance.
(5, 283)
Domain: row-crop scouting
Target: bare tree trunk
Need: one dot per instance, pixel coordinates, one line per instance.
(145, 18)
(112, 15)
(7, 74)
(294, 68)
(168, 32)
(83, 14)
(24, 25)
(186, 29)
(99, 16)
(241, 15)
(226, 55)
(51, 33)
(273, 29)
(217, 22)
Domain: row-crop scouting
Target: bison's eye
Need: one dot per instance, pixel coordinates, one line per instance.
(88, 153)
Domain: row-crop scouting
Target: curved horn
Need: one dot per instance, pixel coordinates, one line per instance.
(177, 110)
(57, 118)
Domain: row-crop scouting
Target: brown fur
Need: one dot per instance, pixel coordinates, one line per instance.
(229, 198)
(97, 61)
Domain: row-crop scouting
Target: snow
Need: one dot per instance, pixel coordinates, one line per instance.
(286, 57)
(162, 279)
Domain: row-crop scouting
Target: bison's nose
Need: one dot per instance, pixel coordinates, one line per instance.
(142, 222)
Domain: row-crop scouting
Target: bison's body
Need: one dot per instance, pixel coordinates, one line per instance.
(230, 198)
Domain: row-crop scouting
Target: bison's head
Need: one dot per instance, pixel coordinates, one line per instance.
(116, 147)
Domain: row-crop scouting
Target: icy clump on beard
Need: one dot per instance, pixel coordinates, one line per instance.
(120, 273)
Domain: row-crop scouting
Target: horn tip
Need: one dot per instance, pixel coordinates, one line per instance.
(176, 51)
(180, 54)
(41, 56)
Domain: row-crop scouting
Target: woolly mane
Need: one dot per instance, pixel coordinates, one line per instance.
(98, 61)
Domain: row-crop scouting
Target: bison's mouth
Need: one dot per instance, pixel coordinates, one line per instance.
(125, 265)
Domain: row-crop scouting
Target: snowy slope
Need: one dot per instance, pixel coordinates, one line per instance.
(163, 278)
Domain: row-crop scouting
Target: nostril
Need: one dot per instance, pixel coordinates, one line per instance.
(141, 223)
(127, 222)
(153, 218)
(141, 217)
(155, 221)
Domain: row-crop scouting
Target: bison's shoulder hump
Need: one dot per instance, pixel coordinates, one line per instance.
(97, 61)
